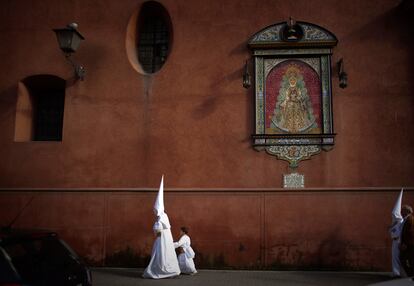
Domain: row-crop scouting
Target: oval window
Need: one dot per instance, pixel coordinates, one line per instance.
(154, 36)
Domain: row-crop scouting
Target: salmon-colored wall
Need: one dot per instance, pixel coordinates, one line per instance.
(192, 121)
(276, 229)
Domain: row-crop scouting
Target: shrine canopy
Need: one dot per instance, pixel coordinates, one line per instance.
(292, 34)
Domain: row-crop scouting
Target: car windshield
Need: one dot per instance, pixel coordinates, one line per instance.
(35, 257)
(7, 271)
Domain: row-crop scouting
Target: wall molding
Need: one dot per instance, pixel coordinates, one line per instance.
(204, 190)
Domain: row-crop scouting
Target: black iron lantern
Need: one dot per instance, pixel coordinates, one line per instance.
(69, 40)
(343, 76)
(246, 76)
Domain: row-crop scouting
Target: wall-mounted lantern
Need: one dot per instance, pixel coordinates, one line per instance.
(343, 76)
(69, 39)
(246, 76)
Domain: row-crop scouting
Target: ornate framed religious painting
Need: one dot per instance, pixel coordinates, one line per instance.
(293, 94)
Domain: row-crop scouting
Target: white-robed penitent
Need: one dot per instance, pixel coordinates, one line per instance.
(395, 232)
(186, 259)
(163, 263)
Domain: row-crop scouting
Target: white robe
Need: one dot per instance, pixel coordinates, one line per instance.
(395, 232)
(185, 259)
(163, 263)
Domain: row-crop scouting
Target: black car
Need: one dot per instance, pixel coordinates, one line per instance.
(39, 258)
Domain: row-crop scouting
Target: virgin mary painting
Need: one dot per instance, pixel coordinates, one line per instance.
(292, 108)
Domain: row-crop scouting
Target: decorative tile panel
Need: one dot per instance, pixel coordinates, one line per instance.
(293, 91)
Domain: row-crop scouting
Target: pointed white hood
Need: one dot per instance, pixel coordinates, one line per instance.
(159, 202)
(396, 212)
(159, 206)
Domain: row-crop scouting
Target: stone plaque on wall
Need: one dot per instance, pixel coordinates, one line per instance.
(293, 180)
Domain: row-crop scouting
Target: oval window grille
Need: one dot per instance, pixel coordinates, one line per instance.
(154, 36)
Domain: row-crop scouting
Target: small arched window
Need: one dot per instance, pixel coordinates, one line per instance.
(154, 36)
(40, 106)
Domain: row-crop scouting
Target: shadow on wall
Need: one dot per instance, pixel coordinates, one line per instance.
(220, 81)
(211, 103)
(393, 27)
(8, 103)
(206, 107)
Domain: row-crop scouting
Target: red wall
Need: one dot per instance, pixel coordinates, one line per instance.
(192, 121)
(276, 229)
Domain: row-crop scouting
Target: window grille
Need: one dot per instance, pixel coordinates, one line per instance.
(153, 37)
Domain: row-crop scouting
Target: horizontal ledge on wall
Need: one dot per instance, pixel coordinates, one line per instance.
(206, 190)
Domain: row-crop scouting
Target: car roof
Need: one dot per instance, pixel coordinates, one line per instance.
(7, 233)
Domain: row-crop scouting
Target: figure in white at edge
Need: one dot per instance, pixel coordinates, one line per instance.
(186, 252)
(395, 231)
(163, 263)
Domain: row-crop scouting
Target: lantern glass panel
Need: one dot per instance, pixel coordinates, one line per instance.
(76, 39)
(64, 38)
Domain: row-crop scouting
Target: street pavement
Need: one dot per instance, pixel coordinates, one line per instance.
(129, 276)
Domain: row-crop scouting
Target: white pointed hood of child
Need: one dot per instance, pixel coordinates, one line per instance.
(159, 206)
(396, 212)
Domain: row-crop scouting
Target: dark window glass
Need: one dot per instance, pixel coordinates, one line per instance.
(153, 36)
(48, 115)
(47, 93)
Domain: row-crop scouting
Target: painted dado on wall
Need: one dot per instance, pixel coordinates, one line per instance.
(250, 229)
(192, 120)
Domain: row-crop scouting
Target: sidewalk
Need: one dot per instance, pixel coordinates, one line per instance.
(127, 277)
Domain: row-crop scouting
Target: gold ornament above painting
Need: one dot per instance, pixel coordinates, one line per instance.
(293, 91)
